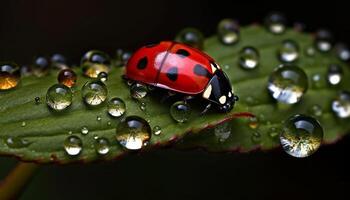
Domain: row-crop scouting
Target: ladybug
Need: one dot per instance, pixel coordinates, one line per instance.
(183, 69)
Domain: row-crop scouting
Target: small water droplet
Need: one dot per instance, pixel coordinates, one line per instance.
(116, 107)
(98, 118)
(273, 132)
(256, 137)
(334, 74)
(253, 122)
(67, 77)
(192, 37)
(103, 76)
(133, 132)
(275, 23)
(25, 70)
(9, 75)
(310, 51)
(157, 130)
(70, 132)
(323, 40)
(180, 111)
(94, 62)
(94, 92)
(228, 31)
(226, 66)
(109, 123)
(73, 145)
(249, 58)
(341, 105)
(59, 97)
(287, 84)
(138, 91)
(84, 130)
(122, 57)
(317, 81)
(342, 51)
(37, 100)
(143, 106)
(223, 131)
(16, 142)
(316, 110)
(102, 145)
(41, 66)
(301, 136)
(289, 51)
(23, 124)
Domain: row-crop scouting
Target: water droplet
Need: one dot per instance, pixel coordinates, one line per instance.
(67, 77)
(228, 31)
(249, 58)
(70, 132)
(58, 61)
(109, 123)
(41, 66)
(253, 122)
(273, 132)
(341, 105)
(59, 97)
(122, 57)
(143, 106)
(73, 145)
(23, 124)
(276, 23)
(192, 37)
(98, 118)
(116, 107)
(138, 91)
(37, 100)
(94, 92)
(289, 51)
(287, 84)
(102, 145)
(317, 81)
(25, 70)
(324, 40)
(16, 142)
(310, 51)
(335, 74)
(95, 62)
(9, 75)
(256, 137)
(316, 110)
(301, 136)
(133, 132)
(103, 76)
(84, 130)
(180, 111)
(157, 130)
(223, 131)
(342, 51)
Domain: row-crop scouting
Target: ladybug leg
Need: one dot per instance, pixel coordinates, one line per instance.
(207, 107)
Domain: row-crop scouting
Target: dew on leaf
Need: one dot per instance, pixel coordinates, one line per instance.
(180, 111)
(94, 93)
(67, 77)
(94, 62)
(9, 75)
(116, 107)
(59, 97)
(228, 31)
(73, 145)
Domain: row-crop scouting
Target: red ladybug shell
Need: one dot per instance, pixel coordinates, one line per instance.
(172, 66)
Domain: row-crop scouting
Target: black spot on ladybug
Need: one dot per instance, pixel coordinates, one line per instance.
(201, 71)
(142, 64)
(182, 53)
(151, 45)
(172, 73)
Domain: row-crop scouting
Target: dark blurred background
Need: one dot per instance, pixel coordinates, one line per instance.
(29, 28)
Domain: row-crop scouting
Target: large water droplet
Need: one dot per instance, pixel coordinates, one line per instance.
(73, 145)
(180, 111)
(335, 74)
(102, 145)
(342, 51)
(138, 91)
(133, 132)
(94, 92)
(9, 75)
(287, 84)
(116, 107)
(249, 58)
(341, 105)
(223, 131)
(301, 136)
(157, 130)
(59, 97)
(228, 31)
(67, 77)
(289, 51)
(324, 40)
(16, 142)
(95, 62)
(191, 36)
(276, 23)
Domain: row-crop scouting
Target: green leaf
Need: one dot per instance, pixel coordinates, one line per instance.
(45, 131)
(250, 86)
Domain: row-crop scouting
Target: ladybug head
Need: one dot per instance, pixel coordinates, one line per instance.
(219, 91)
